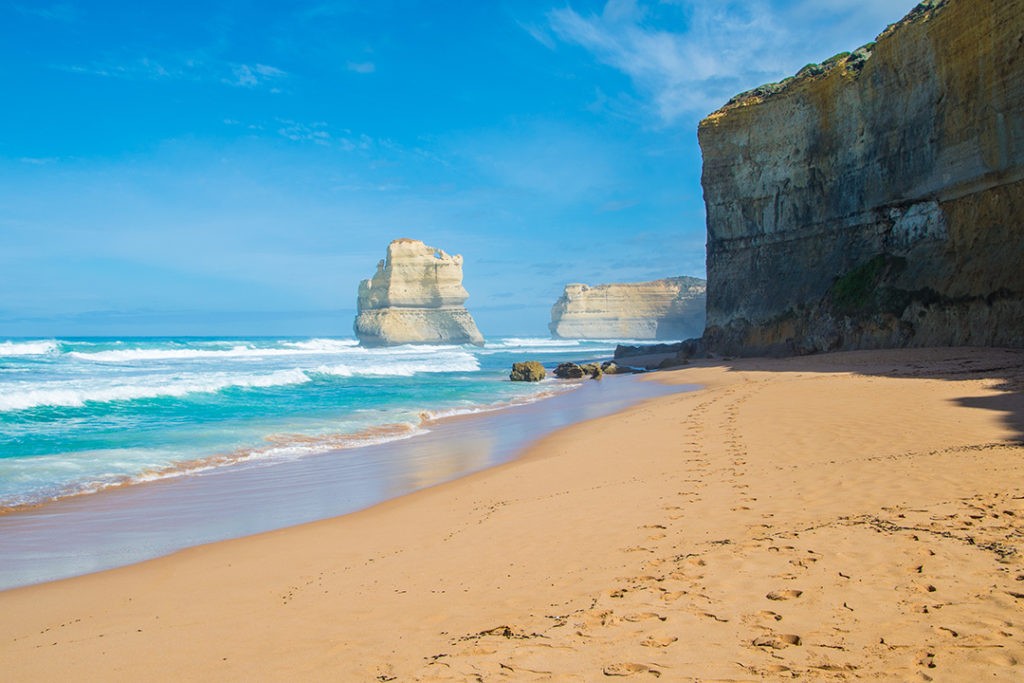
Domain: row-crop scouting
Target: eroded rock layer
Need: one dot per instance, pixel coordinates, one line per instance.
(415, 297)
(875, 200)
(672, 308)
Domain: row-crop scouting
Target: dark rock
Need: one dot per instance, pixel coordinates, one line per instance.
(569, 371)
(674, 362)
(527, 371)
(612, 368)
(623, 351)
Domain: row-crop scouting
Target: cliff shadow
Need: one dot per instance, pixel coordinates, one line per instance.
(1002, 369)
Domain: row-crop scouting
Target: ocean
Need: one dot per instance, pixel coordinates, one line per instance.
(82, 415)
(114, 451)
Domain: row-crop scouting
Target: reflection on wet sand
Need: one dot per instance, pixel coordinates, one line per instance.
(436, 461)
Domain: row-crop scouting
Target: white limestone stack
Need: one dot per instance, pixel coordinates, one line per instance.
(415, 297)
(671, 308)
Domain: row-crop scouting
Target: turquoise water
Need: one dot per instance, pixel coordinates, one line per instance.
(81, 415)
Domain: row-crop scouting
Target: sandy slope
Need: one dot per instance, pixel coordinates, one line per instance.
(842, 516)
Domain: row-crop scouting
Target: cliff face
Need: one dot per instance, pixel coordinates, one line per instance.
(875, 200)
(415, 297)
(672, 308)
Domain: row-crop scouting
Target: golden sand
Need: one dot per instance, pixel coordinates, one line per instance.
(841, 516)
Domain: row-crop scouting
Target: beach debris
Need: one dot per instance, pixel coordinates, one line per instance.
(527, 371)
(503, 631)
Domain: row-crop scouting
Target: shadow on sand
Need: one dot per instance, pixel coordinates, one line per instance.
(1002, 369)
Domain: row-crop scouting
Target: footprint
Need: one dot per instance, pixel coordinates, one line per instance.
(643, 616)
(714, 616)
(768, 614)
(775, 668)
(777, 641)
(658, 641)
(784, 595)
(805, 562)
(629, 669)
(602, 618)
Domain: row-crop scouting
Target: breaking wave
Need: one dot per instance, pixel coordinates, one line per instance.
(241, 351)
(28, 348)
(454, 363)
(75, 394)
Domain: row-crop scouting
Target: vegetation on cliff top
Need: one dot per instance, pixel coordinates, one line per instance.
(850, 63)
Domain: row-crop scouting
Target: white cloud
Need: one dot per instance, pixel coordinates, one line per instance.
(253, 75)
(296, 131)
(142, 68)
(361, 67)
(323, 134)
(61, 11)
(540, 34)
(182, 67)
(687, 57)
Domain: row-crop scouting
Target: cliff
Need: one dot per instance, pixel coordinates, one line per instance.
(875, 200)
(672, 308)
(415, 297)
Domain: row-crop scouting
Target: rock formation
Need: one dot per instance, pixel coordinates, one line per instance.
(415, 297)
(875, 200)
(672, 308)
(527, 371)
(575, 371)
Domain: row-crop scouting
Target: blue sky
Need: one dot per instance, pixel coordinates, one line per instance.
(232, 167)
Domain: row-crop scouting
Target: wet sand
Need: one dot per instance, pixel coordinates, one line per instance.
(841, 516)
(129, 524)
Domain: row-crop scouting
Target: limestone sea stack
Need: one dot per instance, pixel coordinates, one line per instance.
(415, 297)
(671, 308)
(877, 199)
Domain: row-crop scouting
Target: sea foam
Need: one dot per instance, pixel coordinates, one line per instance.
(78, 393)
(28, 348)
(456, 362)
(235, 352)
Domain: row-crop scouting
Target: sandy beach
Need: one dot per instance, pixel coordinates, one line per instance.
(855, 515)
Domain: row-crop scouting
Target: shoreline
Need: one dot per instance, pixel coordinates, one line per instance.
(375, 435)
(854, 514)
(140, 520)
(81, 416)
